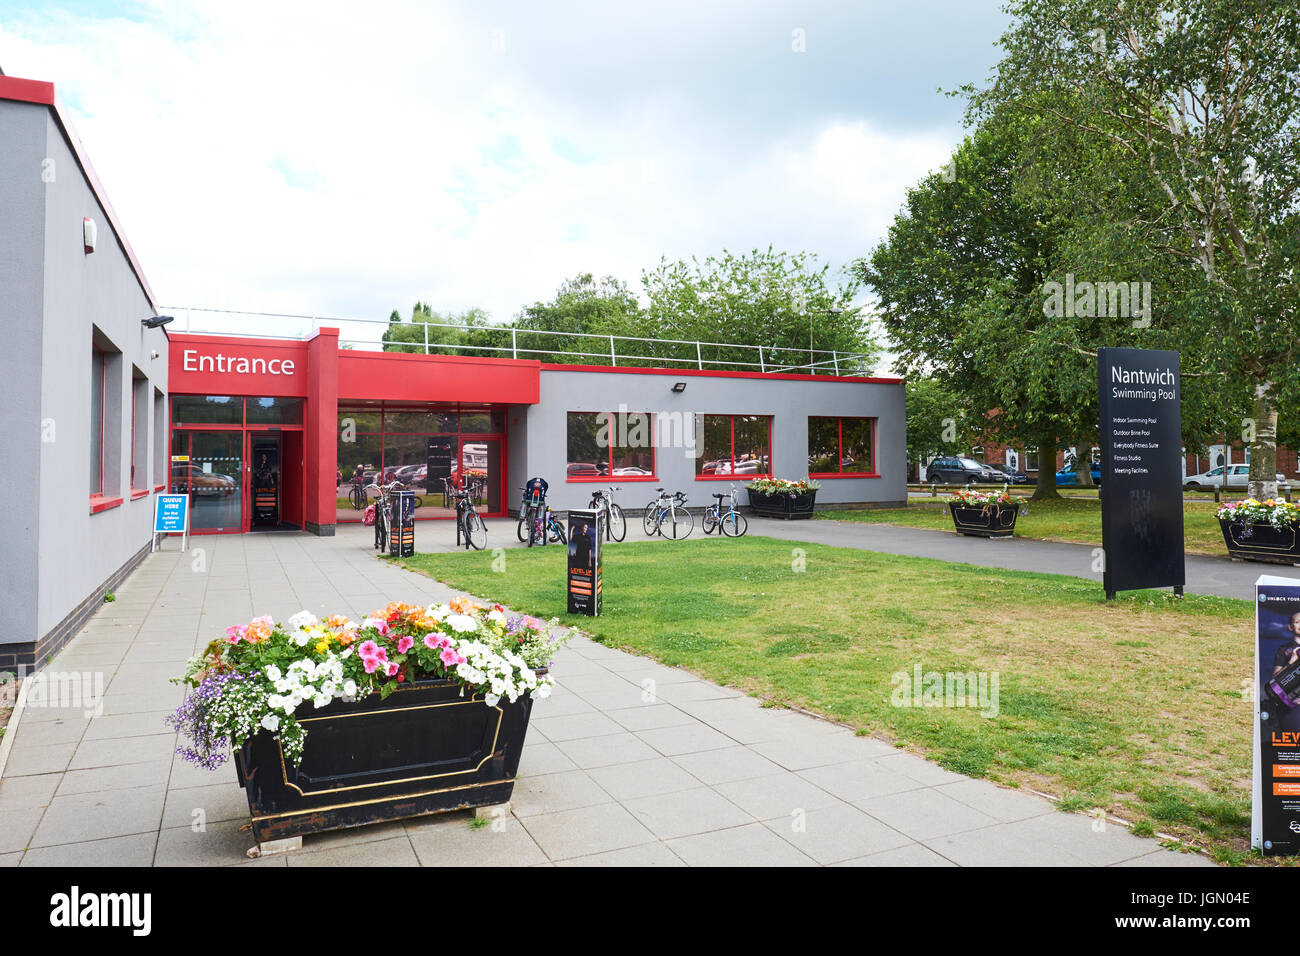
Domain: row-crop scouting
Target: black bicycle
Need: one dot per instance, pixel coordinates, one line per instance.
(731, 521)
(469, 524)
(615, 523)
(531, 528)
(358, 495)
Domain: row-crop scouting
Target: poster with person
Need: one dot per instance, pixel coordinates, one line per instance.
(584, 584)
(1275, 804)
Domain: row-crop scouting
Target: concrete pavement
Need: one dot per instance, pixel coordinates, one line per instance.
(629, 762)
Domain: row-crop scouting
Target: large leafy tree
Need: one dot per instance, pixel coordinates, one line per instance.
(1194, 105)
(588, 310)
(472, 332)
(789, 305)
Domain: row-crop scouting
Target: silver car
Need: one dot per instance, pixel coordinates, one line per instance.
(1228, 476)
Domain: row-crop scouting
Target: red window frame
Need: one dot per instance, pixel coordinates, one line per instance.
(731, 423)
(98, 490)
(839, 446)
(609, 459)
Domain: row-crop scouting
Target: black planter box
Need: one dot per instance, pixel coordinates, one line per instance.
(783, 504)
(1262, 542)
(424, 750)
(994, 521)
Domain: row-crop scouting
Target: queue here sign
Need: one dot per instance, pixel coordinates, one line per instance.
(171, 515)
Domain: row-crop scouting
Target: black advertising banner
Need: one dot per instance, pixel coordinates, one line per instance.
(1139, 398)
(401, 531)
(266, 481)
(585, 533)
(1275, 803)
(438, 461)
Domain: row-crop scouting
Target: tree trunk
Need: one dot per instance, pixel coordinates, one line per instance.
(1046, 487)
(1263, 450)
(1083, 461)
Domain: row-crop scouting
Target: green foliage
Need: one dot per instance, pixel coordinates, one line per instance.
(474, 335)
(937, 422)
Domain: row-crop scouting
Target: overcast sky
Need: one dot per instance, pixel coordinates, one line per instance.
(350, 158)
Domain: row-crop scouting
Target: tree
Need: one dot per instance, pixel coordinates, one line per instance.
(936, 424)
(784, 304)
(475, 334)
(1196, 101)
(590, 310)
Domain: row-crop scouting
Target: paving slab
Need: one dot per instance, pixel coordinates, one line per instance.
(629, 763)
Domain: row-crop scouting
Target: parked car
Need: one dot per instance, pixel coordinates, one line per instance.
(1011, 475)
(194, 479)
(958, 471)
(1069, 476)
(1228, 476)
(583, 469)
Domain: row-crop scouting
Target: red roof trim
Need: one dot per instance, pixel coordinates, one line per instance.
(42, 93)
(697, 373)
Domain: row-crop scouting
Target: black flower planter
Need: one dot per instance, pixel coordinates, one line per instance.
(994, 521)
(1262, 542)
(783, 504)
(425, 749)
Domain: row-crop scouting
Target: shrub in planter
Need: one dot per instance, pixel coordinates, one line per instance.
(1261, 530)
(338, 723)
(782, 498)
(985, 514)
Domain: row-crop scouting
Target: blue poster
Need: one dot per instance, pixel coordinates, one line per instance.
(169, 514)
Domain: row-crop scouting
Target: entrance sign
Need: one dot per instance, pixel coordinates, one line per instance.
(1275, 791)
(171, 515)
(1139, 399)
(586, 529)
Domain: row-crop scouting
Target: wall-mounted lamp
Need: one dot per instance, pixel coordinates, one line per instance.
(88, 234)
(679, 387)
(156, 321)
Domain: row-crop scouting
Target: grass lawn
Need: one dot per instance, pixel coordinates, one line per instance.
(1135, 706)
(1070, 519)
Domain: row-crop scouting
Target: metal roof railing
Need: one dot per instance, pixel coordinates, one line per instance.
(519, 343)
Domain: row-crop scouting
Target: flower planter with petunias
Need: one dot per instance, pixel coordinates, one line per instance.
(782, 498)
(335, 723)
(1261, 530)
(985, 514)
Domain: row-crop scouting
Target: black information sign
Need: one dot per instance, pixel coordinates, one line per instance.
(1275, 808)
(1139, 397)
(438, 462)
(586, 528)
(401, 529)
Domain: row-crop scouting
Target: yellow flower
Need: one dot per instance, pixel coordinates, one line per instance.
(322, 647)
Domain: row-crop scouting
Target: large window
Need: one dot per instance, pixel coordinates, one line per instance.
(841, 447)
(97, 364)
(728, 445)
(611, 444)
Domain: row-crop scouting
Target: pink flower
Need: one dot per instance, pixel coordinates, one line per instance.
(371, 649)
(450, 658)
(431, 642)
(392, 669)
(404, 644)
(370, 663)
(234, 633)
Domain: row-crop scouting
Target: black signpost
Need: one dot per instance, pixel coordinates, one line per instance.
(586, 529)
(1139, 399)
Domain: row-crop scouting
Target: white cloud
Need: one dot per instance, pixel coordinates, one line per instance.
(354, 159)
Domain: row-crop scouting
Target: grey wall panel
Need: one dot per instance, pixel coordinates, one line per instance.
(78, 550)
(789, 402)
(22, 249)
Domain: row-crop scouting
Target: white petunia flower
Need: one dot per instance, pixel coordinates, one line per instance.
(303, 620)
(271, 722)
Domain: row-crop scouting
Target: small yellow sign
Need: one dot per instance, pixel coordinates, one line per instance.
(180, 457)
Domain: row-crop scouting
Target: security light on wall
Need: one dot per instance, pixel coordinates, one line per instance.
(679, 387)
(88, 234)
(156, 321)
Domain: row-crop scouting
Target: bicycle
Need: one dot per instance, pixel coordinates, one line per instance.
(615, 523)
(358, 495)
(469, 525)
(669, 512)
(732, 522)
(383, 515)
(532, 512)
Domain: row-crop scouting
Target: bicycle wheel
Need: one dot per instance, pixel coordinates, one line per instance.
(734, 524)
(557, 532)
(678, 523)
(358, 498)
(475, 531)
(651, 519)
(521, 531)
(710, 520)
(418, 502)
(617, 524)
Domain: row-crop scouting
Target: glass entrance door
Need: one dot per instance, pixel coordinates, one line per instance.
(480, 471)
(209, 467)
